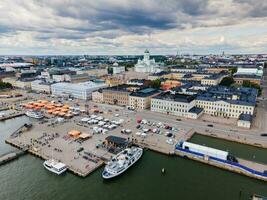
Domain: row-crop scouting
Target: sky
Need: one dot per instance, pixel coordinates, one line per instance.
(123, 27)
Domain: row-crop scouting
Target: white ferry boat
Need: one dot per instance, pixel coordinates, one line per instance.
(34, 114)
(121, 162)
(55, 167)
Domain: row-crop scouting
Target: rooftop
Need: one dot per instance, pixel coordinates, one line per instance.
(145, 92)
(78, 86)
(196, 110)
(245, 117)
(240, 95)
(175, 97)
(123, 88)
(117, 140)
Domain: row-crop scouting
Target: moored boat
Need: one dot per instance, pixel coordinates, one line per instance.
(121, 162)
(55, 167)
(34, 114)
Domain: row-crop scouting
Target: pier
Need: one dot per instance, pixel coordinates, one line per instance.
(5, 158)
(10, 116)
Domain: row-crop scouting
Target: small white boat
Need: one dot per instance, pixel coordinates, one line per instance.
(55, 167)
(121, 162)
(34, 114)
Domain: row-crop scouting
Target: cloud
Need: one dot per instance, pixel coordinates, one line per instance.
(120, 26)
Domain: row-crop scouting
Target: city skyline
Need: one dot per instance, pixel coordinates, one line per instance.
(61, 27)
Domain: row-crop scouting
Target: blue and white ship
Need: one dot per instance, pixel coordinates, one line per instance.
(121, 162)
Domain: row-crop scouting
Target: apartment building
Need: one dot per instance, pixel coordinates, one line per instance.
(118, 95)
(240, 78)
(141, 99)
(97, 96)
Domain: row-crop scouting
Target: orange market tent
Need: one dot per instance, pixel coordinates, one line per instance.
(66, 106)
(74, 133)
(68, 115)
(50, 111)
(29, 106)
(85, 135)
(55, 112)
(61, 114)
(64, 110)
(37, 108)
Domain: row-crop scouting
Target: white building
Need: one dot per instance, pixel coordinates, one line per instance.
(41, 86)
(244, 121)
(175, 104)
(147, 65)
(76, 90)
(258, 71)
(118, 69)
(228, 102)
(58, 78)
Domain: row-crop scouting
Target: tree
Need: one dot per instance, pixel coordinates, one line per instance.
(110, 70)
(128, 65)
(155, 83)
(233, 70)
(4, 85)
(227, 81)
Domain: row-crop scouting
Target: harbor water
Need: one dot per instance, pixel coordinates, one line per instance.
(26, 179)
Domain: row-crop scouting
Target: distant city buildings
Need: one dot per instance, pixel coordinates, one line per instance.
(116, 69)
(190, 84)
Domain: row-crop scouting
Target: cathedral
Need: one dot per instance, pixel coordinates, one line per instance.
(146, 65)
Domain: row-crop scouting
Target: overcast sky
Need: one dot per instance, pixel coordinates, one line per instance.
(129, 27)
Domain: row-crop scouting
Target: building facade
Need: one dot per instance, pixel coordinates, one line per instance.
(173, 104)
(76, 90)
(118, 95)
(40, 86)
(118, 69)
(141, 99)
(97, 96)
(228, 102)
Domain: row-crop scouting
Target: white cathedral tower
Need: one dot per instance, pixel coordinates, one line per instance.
(146, 65)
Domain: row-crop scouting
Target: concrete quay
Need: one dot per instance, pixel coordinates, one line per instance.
(244, 167)
(11, 156)
(47, 139)
(12, 115)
